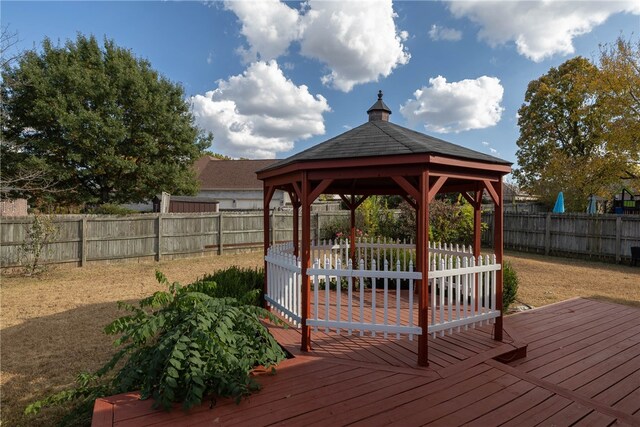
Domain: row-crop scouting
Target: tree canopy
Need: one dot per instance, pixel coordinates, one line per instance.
(99, 122)
(579, 127)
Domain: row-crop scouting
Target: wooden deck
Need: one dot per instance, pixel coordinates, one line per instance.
(582, 368)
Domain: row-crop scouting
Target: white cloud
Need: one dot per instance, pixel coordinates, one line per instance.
(268, 25)
(358, 41)
(540, 29)
(259, 113)
(457, 106)
(488, 147)
(210, 58)
(443, 33)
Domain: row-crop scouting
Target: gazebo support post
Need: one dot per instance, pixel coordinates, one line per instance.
(296, 226)
(477, 231)
(352, 235)
(422, 259)
(477, 223)
(498, 236)
(268, 195)
(352, 203)
(304, 263)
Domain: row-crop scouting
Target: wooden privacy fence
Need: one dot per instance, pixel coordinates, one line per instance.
(82, 239)
(606, 237)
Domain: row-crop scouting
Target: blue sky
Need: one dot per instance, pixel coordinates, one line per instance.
(270, 79)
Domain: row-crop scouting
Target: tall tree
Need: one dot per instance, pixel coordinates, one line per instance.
(102, 124)
(619, 88)
(579, 127)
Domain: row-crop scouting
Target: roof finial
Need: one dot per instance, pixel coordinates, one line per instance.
(379, 111)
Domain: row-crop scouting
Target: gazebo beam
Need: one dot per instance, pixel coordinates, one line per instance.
(469, 164)
(436, 187)
(406, 186)
(492, 191)
(319, 189)
(402, 162)
(411, 202)
(297, 189)
(468, 198)
(466, 176)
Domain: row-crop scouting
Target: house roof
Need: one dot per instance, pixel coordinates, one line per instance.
(217, 174)
(383, 138)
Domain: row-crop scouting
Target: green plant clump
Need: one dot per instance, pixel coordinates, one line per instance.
(244, 284)
(180, 346)
(509, 286)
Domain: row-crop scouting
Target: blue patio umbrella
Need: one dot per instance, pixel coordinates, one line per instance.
(559, 207)
(592, 208)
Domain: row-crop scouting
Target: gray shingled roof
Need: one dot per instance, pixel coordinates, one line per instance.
(383, 138)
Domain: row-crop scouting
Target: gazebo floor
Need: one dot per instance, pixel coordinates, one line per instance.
(582, 368)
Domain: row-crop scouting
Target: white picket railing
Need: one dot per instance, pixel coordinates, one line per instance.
(380, 249)
(378, 295)
(284, 282)
(463, 292)
(378, 308)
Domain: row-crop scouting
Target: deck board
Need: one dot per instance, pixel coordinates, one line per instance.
(582, 369)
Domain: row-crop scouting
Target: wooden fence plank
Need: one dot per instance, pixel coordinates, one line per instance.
(602, 237)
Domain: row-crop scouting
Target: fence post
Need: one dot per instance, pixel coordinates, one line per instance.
(618, 239)
(547, 234)
(159, 235)
(83, 243)
(220, 235)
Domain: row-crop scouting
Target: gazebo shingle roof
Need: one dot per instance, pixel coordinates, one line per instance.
(383, 138)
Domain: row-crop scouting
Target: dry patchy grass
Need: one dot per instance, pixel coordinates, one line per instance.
(51, 327)
(545, 280)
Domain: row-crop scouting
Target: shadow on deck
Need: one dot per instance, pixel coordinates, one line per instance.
(582, 368)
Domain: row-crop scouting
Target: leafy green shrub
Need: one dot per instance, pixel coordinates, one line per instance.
(180, 346)
(234, 282)
(509, 285)
(341, 227)
(449, 221)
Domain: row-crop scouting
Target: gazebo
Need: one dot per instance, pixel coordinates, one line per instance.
(456, 287)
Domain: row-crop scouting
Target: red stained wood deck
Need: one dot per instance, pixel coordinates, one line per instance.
(582, 368)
